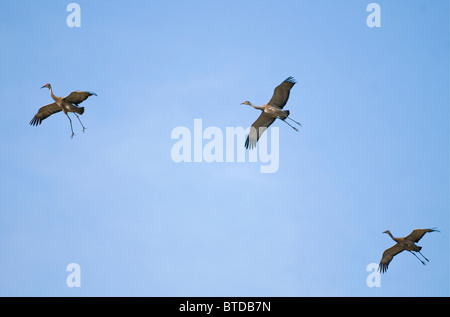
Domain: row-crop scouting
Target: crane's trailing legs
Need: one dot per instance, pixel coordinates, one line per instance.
(71, 128)
(295, 121)
(284, 120)
(423, 256)
(84, 128)
(418, 257)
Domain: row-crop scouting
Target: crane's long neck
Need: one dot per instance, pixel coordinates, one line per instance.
(256, 107)
(51, 93)
(393, 238)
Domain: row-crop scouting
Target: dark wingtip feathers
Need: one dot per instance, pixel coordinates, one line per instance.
(382, 268)
(249, 145)
(291, 80)
(35, 121)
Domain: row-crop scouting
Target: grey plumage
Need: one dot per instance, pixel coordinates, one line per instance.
(66, 104)
(270, 112)
(407, 243)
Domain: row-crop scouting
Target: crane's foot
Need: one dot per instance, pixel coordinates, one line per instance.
(84, 129)
(424, 257)
(72, 135)
(294, 121)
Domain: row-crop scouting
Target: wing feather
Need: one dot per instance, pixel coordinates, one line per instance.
(388, 255)
(77, 97)
(44, 112)
(417, 234)
(257, 129)
(281, 93)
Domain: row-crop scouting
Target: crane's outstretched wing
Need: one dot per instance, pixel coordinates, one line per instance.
(281, 93)
(257, 129)
(44, 112)
(77, 97)
(417, 234)
(388, 255)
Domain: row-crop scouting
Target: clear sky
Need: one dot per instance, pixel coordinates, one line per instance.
(373, 152)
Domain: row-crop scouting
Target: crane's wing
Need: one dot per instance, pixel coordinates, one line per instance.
(417, 234)
(281, 93)
(44, 112)
(388, 255)
(257, 129)
(77, 97)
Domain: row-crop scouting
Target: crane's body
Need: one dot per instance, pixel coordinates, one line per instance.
(407, 243)
(64, 104)
(276, 112)
(270, 112)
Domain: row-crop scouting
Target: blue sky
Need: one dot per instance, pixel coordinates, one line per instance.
(373, 152)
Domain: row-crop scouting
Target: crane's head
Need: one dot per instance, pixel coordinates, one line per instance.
(387, 231)
(246, 103)
(46, 86)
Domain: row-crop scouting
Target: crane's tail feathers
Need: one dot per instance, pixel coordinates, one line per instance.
(80, 110)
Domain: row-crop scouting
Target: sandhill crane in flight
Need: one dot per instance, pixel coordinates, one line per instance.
(407, 243)
(270, 112)
(67, 104)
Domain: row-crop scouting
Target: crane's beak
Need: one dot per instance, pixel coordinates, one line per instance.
(44, 86)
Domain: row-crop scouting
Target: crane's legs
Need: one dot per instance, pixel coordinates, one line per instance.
(295, 121)
(423, 256)
(418, 257)
(71, 128)
(84, 128)
(289, 125)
